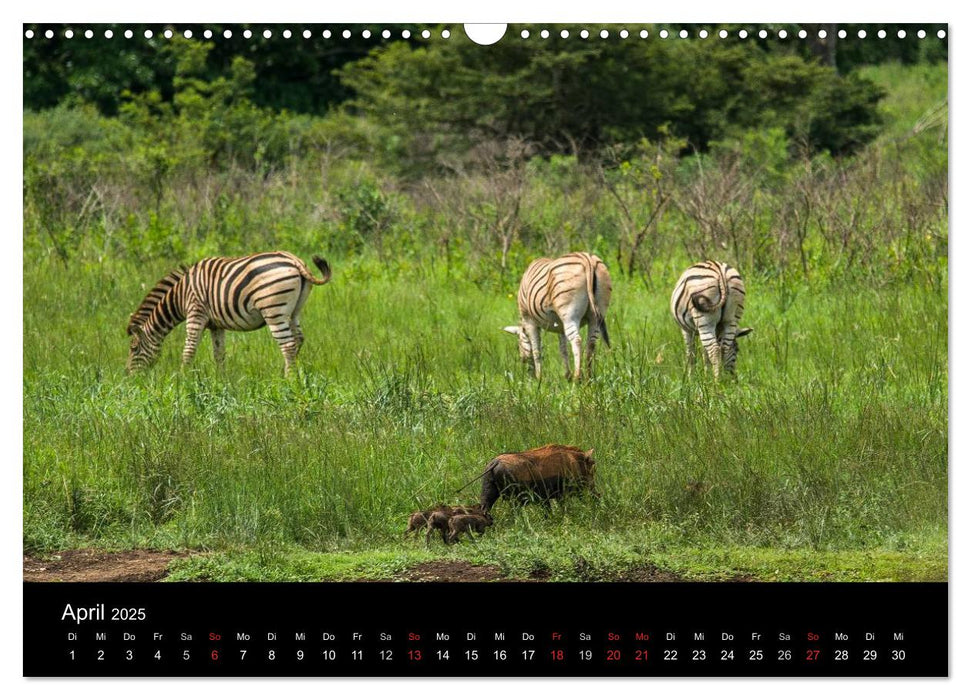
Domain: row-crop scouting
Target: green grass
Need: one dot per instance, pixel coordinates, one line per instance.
(911, 91)
(826, 459)
(559, 561)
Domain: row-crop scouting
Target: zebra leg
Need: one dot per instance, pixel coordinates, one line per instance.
(305, 288)
(295, 326)
(572, 332)
(593, 334)
(689, 348)
(218, 336)
(280, 329)
(297, 336)
(565, 354)
(195, 323)
(708, 333)
(713, 350)
(535, 348)
(729, 346)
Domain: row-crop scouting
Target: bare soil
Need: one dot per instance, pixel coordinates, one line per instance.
(78, 565)
(649, 573)
(457, 571)
(452, 571)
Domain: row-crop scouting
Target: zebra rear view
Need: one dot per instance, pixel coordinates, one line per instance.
(236, 294)
(708, 301)
(561, 296)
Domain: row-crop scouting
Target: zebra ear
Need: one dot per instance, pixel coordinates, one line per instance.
(512, 329)
(743, 331)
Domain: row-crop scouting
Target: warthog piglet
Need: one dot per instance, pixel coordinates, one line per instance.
(468, 523)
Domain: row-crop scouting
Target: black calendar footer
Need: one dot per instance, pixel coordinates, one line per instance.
(485, 629)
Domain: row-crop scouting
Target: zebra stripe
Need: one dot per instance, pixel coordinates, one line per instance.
(238, 294)
(153, 298)
(562, 295)
(708, 302)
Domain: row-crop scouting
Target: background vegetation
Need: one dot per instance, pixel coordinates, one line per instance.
(429, 173)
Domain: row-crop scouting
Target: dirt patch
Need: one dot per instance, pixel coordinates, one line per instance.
(742, 578)
(457, 571)
(649, 573)
(452, 571)
(135, 566)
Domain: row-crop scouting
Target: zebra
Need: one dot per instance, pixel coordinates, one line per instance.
(562, 295)
(237, 294)
(708, 301)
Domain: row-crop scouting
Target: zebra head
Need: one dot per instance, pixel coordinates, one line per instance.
(731, 353)
(142, 351)
(525, 348)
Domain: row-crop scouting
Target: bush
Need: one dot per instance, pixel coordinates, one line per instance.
(565, 95)
(210, 173)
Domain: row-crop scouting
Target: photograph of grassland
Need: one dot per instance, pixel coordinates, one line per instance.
(429, 173)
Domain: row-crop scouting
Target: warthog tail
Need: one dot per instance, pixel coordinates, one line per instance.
(492, 465)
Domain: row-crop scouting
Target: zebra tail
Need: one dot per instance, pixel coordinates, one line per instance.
(706, 305)
(592, 293)
(324, 270)
(722, 285)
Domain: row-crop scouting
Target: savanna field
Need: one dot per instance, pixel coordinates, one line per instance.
(825, 458)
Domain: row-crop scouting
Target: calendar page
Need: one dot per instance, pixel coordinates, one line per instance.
(485, 350)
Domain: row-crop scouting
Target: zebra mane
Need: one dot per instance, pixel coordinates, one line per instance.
(152, 299)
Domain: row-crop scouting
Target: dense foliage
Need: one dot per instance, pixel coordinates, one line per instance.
(211, 170)
(566, 95)
(292, 74)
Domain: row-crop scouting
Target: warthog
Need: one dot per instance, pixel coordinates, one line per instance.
(542, 473)
(468, 523)
(419, 519)
(438, 519)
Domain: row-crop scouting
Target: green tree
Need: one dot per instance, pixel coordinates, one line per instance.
(568, 95)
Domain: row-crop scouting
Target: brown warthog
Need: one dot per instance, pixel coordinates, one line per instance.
(419, 519)
(543, 473)
(468, 523)
(438, 518)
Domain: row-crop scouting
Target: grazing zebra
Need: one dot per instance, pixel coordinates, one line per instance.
(561, 296)
(237, 294)
(708, 301)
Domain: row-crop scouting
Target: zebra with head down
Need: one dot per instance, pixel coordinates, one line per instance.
(708, 302)
(561, 296)
(220, 294)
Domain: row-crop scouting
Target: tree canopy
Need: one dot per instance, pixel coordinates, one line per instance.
(563, 95)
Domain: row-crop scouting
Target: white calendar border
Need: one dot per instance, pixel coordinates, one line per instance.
(600, 11)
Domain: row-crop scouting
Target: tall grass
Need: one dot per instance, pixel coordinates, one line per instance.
(833, 436)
